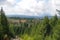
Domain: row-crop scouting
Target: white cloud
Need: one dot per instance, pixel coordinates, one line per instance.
(31, 7)
(55, 5)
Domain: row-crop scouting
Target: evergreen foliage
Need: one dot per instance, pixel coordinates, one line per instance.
(34, 29)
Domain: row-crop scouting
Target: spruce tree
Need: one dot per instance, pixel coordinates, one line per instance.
(47, 27)
(54, 20)
(5, 24)
(1, 28)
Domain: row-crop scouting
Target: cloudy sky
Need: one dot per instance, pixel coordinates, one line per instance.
(30, 7)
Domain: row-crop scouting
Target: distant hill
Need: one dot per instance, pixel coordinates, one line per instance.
(24, 16)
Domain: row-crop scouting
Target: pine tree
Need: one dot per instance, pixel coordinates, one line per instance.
(47, 27)
(46, 20)
(5, 24)
(54, 20)
(1, 28)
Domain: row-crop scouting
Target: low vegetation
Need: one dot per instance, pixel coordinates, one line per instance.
(30, 29)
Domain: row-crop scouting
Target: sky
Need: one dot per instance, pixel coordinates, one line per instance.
(30, 7)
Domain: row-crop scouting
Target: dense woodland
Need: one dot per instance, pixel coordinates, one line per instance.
(33, 29)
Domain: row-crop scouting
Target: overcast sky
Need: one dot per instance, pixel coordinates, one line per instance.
(30, 7)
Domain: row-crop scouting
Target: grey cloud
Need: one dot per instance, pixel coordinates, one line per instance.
(41, 0)
(5, 2)
(2, 2)
(38, 0)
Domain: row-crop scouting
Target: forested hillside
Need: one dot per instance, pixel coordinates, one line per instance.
(29, 29)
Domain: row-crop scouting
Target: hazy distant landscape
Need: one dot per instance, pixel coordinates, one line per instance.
(29, 19)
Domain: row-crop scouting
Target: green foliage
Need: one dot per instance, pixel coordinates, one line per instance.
(33, 29)
(27, 37)
(4, 22)
(46, 20)
(46, 29)
(54, 20)
(4, 26)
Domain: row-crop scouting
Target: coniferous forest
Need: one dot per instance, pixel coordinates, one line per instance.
(29, 28)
